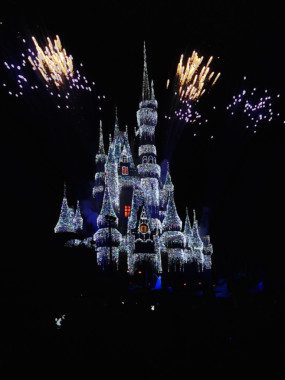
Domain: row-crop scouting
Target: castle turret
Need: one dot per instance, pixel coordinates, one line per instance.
(197, 243)
(100, 160)
(65, 220)
(107, 238)
(118, 140)
(148, 169)
(116, 125)
(172, 238)
(112, 180)
(165, 191)
(78, 221)
(188, 239)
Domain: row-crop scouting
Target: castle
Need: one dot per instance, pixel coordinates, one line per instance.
(137, 217)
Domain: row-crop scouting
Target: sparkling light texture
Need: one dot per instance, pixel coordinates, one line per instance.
(254, 108)
(66, 218)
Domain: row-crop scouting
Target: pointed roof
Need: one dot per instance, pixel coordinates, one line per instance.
(128, 148)
(78, 220)
(197, 241)
(101, 149)
(116, 127)
(65, 220)
(106, 210)
(145, 90)
(168, 185)
(187, 225)
(111, 153)
(123, 153)
(171, 222)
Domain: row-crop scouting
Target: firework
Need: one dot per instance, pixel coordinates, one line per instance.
(254, 107)
(191, 82)
(192, 79)
(49, 69)
(52, 62)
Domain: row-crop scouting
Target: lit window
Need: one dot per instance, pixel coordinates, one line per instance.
(127, 211)
(143, 228)
(125, 170)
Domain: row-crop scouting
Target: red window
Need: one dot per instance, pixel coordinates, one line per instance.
(125, 170)
(143, 228)
(127, 211)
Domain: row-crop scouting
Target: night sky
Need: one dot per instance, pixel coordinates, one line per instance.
(234, 181)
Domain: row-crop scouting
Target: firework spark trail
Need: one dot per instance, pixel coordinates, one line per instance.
(255, 108)
(53, 63)
(192, 78)
(191, 82)
(57, 74)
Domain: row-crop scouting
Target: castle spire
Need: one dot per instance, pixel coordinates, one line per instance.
(152, 90)
(65, 220)
(64, 190)
(145, 90)
(168, 185)
(106, 210)
(187, 224)
(171, 222)
(197, 241)
(101, 149)
(78, 221)
(116, 128)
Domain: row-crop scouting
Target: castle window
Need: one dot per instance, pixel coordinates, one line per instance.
(150, 159)
(125, 159)
(125, 170)
(127, 211)
(144, 160)
(143, 228)
(154, 160)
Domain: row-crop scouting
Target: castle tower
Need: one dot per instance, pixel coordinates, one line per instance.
(65, 220)
(78, 221)
(107, 238)
(168, 188)
(148, 170)
(188, 239)
(112, 180)
(172, 239)
(100, 160)
(118, 139)
(197, 244)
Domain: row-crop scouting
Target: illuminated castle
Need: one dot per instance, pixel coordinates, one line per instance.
(137, 217)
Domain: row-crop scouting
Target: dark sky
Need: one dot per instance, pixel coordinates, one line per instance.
(236, 179)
